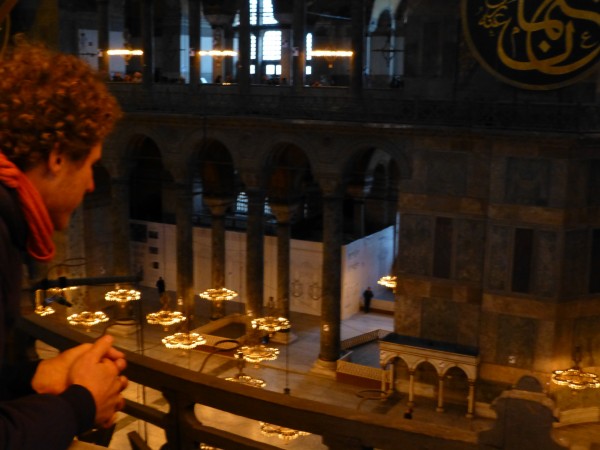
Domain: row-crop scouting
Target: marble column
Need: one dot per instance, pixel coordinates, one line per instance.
(440, 400)
(147, 15)
(218, 207)
(255, 252)
(471, 400)
(120, 229)
(331, 279)
(283, 214)
(185, 248)
(299, 44)
(358, 200)
(103, 37)
(411, 387)
(358, 33)
(243, 70)
(194, 27)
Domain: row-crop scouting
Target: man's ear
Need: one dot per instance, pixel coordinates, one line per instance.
(55, 160)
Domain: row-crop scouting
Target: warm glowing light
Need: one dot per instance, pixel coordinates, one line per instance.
(217, 53)
(257, 353)
(576, 378)
(184, 340)
(87, 318)
(287, 434)
(165, 318)
(332, 53)
(217, 295)
(122, 295)
(124, 52)
(247, 380)
(271, 324)
(44, 310)
(388, 281)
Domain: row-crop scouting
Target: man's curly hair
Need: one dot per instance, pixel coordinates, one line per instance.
(50, 99)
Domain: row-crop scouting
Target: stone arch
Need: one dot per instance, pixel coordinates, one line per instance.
(426, 379)
(290, 183)
(456, 386)
(149, 182)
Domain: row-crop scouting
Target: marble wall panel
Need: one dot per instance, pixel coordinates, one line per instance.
(516, 339)
(499, 262)
(470, 250)
(416, 236)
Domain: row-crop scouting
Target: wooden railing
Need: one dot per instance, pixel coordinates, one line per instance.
(373, 106)
(340, 428)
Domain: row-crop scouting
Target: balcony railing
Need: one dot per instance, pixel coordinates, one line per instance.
(340, 428)
(373, 106)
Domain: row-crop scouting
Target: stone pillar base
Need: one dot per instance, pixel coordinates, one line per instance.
(324, 368)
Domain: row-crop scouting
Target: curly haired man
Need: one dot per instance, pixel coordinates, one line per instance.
(54, 115)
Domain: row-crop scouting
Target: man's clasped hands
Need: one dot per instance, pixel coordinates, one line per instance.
(97, 367)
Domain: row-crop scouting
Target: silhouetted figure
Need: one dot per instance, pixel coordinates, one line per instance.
(367, 296)
(160, 285)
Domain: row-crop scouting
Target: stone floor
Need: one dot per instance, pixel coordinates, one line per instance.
(293, 371)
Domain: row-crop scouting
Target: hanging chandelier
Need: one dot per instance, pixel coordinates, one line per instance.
(388, 281)
(247, 380)
(575, 377)
(218, 295)
(165, 318)
(284, 433)
(122, 295)
(254, 354)
(44, 311)
(271, 324)
(184, 341)
(87, 319)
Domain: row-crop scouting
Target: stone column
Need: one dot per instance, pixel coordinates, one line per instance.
(243, 72)
(120, 229)
(147, 14)
(194, 27)
(255, 252)
(331, 280)
(171, 40)
(358, 33)
(283, 214)
(440, 400)
(218, 207)
(103, 37)
(185, 248)
(471, 399)
(411, 387)
(299, 44)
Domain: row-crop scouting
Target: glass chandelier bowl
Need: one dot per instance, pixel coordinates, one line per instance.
(184, 341)
(284, 433)
(87, 319)
(165, 318)
(122, 295)
(255, 354)
(218, 295)
(44, 311)
(271, 324)
(247, 380)
(575, 377)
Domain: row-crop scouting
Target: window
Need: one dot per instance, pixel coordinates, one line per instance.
(442, 252)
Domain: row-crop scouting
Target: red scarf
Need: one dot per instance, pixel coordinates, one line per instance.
(39, 240)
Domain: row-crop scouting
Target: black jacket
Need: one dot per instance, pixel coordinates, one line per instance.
(29, 421)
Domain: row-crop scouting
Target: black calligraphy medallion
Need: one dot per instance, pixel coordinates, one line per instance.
(534, 44)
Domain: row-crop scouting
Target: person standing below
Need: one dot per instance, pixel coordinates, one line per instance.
(54, 115)
(160, 286)
(367, 296)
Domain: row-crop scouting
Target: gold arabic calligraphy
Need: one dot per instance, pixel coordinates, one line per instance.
(558, 39)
